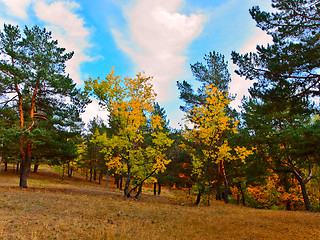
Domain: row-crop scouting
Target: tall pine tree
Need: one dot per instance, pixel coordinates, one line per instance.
(287, 89)
(35, 86)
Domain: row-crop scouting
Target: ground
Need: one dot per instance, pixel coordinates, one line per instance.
(75, 209)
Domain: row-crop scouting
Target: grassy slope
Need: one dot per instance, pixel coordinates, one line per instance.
(51, 209)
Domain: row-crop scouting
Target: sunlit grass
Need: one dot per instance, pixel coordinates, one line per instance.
(55, 209)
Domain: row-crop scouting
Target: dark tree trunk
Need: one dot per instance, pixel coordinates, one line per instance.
(100, 176)
(198, 198)
(242, 194)
(126, 186)
(35, 168)
(305, 196)
(23, 174)
(5, 166)
(159, 188)
(18, 167)
(107, 176)
(94, 174)
(25, 167)
(121, 181)
(63, 169)
(70, 171)
(117, 180)
(90, 174)
(303, 184)
(218, 188)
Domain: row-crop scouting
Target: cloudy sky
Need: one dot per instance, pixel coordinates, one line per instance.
(159, 37)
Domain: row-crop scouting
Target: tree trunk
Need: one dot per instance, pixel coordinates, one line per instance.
(27, 158)
(5, 166)
(303, 184)
(155, 188)
(198, 198)
(70, 171)
(117, 180)
(305, 196)
(63, 169)
(121, 181)
(218, 187)
(226, 184)
(159, 188)
(18, 165)
(90, 174)
(35, 168)
(107, 176)
(23, 174)
(91, 162)
(100, 176)
(126, 186)
(242, 194)
(94, 174)
(25, 167)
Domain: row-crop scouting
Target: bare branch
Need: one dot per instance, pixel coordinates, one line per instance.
(10, 100)
(39, 115)
(29, 128)
(10, 75)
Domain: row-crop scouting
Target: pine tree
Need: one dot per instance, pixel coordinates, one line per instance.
(282, 100)
(35, 86)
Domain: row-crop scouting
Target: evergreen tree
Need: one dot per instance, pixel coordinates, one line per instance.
(293, 60)
(282, 100)
(215, 71)
(35, 86)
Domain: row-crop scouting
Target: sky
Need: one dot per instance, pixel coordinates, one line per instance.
(159, 37)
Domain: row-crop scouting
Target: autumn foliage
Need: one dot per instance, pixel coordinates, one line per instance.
(137, 147)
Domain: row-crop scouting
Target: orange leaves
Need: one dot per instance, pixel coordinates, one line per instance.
(272, 193)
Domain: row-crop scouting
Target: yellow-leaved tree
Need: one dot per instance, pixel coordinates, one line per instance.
(206, 132)
(137, 146)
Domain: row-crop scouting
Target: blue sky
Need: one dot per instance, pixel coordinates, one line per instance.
(159, 37)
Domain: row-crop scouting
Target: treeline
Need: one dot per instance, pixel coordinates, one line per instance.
(266, 156)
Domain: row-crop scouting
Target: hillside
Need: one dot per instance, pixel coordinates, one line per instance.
(75, 209)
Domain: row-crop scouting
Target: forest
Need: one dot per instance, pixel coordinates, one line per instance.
(266, 156)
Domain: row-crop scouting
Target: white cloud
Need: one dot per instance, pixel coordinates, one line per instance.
(159, 35)
(94, 110)
(239, 85)
(17, 8)
(260, 38)
(69, 29)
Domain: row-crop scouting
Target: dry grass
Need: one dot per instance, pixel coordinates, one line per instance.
(51, 209)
